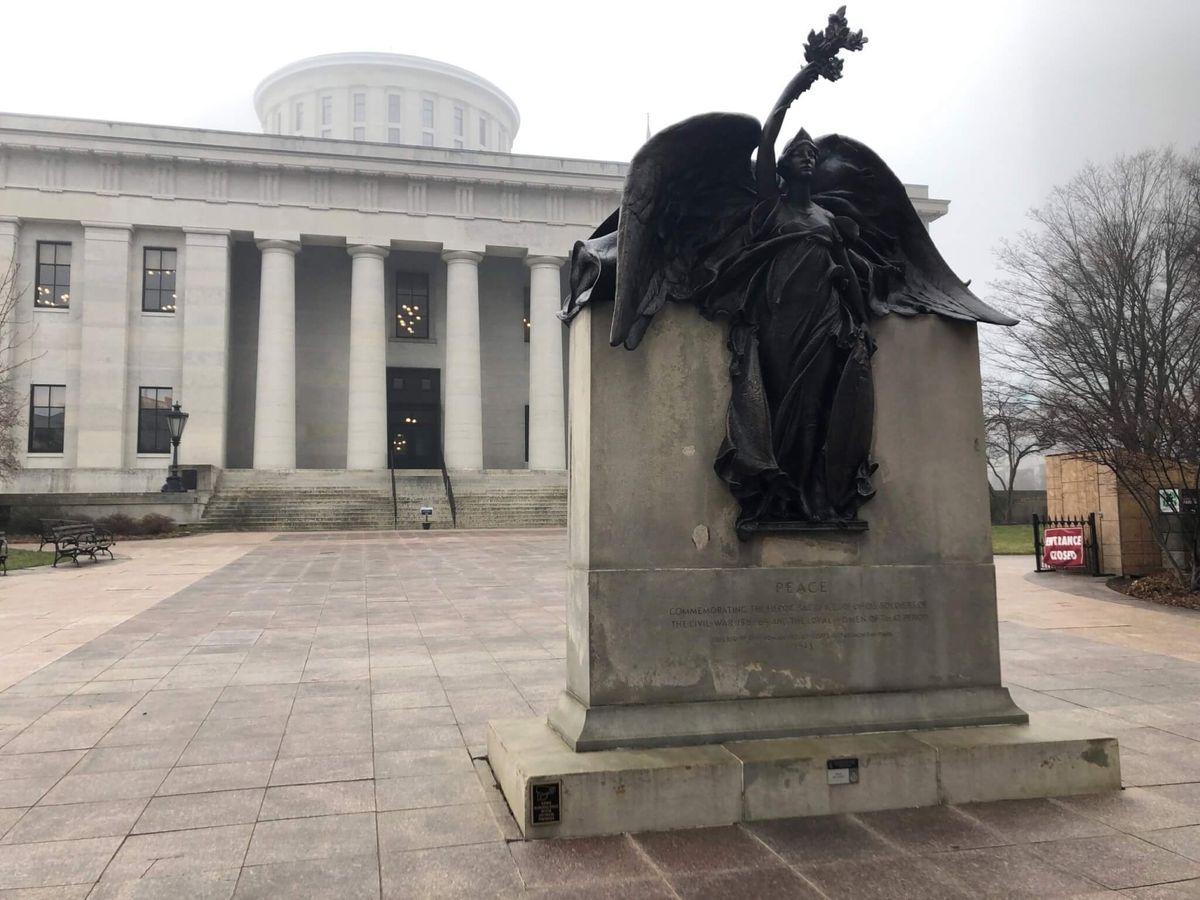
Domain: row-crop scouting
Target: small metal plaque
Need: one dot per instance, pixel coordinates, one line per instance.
(842, 771)
(545, 803)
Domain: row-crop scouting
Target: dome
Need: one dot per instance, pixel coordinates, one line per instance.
(387, 98)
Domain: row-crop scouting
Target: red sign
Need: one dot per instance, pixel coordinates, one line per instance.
(1062, 548)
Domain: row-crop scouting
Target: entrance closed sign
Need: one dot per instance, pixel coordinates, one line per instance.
(1062, 548)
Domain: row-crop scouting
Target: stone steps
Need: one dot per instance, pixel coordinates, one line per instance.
(339, 500)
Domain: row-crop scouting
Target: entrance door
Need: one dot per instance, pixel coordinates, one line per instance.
(414, 401)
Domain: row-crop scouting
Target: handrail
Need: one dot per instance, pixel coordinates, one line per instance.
(395, 509)
(449, 495)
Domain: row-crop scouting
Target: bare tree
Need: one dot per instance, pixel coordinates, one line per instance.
(1015, 431)
(1108, 286)
(12, 407)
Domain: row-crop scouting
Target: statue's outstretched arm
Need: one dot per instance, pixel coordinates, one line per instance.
(820, 52)
(764, 167)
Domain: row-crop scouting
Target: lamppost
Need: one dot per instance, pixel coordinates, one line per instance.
(176, 420)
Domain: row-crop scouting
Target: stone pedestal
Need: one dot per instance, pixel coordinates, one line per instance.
(667, 609)
(679, 635)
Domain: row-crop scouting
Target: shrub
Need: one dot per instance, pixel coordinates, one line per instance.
(27, 520)
(120, 524)
(1153, 587)
(156, 523)
(22, 520)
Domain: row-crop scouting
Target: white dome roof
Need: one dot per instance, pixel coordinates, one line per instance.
(387, 97)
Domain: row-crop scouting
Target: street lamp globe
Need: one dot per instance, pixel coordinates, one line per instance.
(176, 420)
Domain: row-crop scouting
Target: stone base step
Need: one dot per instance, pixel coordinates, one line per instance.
(556, 792)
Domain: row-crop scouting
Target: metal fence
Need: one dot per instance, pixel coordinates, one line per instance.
(1091, 545)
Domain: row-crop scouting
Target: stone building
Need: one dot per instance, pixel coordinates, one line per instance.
(371, 282)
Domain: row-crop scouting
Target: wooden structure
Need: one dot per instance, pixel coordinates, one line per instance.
(1076, 486)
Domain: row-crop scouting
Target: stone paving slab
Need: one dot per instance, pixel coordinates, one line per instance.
(46, 613)
(304, 717)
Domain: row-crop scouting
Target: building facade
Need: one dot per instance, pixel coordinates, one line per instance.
(351, 290)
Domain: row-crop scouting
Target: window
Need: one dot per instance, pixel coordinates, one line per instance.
(427, 139)
(297, 116)
(393, 107)
(326, 110)
(458, 144)
(360, 133)
(412, 305)
(158, 280)
(426, 113)
(153, 405)
(47, 417)
(360, 107)
(483, 123)
(525, 320)
(393, 135)
(53, 275)
(278, 122)
(503, 138)
(458, 121)
(326, 132)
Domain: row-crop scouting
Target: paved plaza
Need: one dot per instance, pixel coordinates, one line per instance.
(304, 716)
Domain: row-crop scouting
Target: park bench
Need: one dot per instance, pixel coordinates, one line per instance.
(47, 533)
(72, 539)
(3, 554)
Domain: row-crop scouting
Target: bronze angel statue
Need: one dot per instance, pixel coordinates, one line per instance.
(797, 255)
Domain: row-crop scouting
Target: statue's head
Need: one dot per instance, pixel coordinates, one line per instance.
(798, 158)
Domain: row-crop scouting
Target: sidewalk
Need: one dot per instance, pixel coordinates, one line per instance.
(46, 613)
(1061, 601)
(308, 720)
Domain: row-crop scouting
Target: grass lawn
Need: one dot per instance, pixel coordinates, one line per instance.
(27, 559)
(1012, 539)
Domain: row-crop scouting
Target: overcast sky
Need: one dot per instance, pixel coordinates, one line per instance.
(990, 104)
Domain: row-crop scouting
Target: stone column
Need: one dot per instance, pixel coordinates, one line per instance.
(366, 427)
(275, 387)
(463, 418)
(205, 309)
(10, 282)
(547, 426)
(101, 289)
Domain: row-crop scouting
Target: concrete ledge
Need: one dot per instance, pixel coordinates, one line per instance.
(185, 509)
(616, 790)
(591, 728)
(613, 791)
(782, 779)
(1022, 763)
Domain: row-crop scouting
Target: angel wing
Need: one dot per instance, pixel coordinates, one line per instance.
(593, 269)
(687, 207)
(688, 194)
(899, 267)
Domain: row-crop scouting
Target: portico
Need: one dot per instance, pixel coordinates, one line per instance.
(499, 363)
